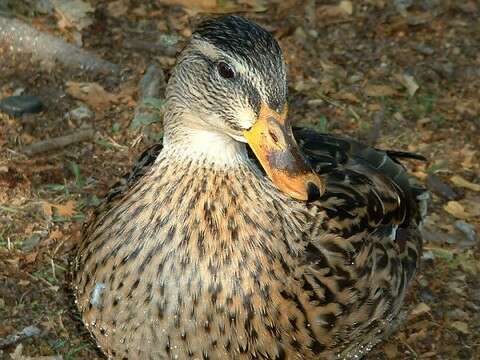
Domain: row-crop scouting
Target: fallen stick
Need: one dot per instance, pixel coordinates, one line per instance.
(375, 132)
(58, 142)
(20, 38)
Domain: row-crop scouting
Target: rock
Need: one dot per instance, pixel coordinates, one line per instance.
(438, 186)
(457, 314)
(150, 103)
(424, 49)
(429, 5)
(160, 44)
(152, 82)
(81, 113)
(169, 43)
(427, 255)
(446, 70)
(19, 105)
(472, 307)
(29, 331)
(467, 229)
(435, 237)
(426, 295)
(44, 6)
(402, 5)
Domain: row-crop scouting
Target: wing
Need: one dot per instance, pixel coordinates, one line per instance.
(364, 183)
(364, 243)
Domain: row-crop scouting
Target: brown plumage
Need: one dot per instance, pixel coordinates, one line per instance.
(197, 254)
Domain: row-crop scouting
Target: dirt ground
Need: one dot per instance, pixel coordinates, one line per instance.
(407, 78)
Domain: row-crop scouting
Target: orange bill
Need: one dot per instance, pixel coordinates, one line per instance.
(272, 142)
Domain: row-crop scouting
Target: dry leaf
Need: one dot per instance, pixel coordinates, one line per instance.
(55, 235)
(460, 326)
(344, 8)
(31, 257)
(255, 5)
(468, 107)
(47, 209)
(380, 90)
(92, 94)
(422, 175)
(420, 309)
(391, 350)
(24, 282)
(409, 82)
(469, 157)
(346, 96)
(67, 209)
(459, 181)
(203, 5)
(73, 13)
(219, 6)
(456, 209)
(472, 203)
(117, 8)
(417, 336)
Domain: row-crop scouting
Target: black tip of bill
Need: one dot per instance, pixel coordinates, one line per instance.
(313, 192)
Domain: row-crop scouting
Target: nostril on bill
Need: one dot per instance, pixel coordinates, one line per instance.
(313, 192)
(273, 136)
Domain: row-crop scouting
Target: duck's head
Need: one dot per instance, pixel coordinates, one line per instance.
(231, 81)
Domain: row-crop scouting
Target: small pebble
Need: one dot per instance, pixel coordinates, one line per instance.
(18, 91)
(31, 242)
(81, 113)
(22, 104)
(426, 295)
(169, 43)
(467, 229)
(424, 49)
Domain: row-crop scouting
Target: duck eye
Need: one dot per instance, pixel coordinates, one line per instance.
(225, 70)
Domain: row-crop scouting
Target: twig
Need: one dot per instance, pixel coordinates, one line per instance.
(19, 37)
(51, 287)
(58, 143)
(340, 106)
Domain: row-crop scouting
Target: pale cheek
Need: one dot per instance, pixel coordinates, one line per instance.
(246, 118)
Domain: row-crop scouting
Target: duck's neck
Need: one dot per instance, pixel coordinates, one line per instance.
(187, 137)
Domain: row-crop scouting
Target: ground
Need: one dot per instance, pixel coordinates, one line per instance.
(407, 78)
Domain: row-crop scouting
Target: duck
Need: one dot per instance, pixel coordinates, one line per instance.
(241, 236)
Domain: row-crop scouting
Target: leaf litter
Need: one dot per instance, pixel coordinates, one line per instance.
(348, 61)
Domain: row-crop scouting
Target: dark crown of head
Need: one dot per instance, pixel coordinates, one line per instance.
(241, 37)
(245, 40)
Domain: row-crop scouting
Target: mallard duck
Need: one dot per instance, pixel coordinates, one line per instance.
(240, 237)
